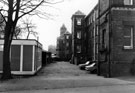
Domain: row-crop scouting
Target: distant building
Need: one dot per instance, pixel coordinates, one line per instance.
(64, 44)
(52, 49)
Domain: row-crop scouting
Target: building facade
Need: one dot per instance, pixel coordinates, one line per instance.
(64, 44)
(109, 40)
(116, 29)
(91, 27)
(79, 39)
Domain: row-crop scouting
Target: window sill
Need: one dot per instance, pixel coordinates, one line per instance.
(128, 47)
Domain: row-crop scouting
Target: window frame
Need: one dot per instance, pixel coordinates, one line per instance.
(1, 47)
(130, 2)
(79, 35)
(78, 49)
(67, 44)
(67, 36)
(79, 21)
(131, 38)
(103, 42)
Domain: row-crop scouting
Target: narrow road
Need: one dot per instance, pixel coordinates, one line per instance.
(62, 69)
(63, 77)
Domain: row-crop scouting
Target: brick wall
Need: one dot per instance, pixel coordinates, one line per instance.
(121, 58)
(104, 4)
(79, 57)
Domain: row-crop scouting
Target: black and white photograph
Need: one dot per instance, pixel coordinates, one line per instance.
(67, 46)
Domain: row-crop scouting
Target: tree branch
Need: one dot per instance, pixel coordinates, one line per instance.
(31, 9)
(3, 2)
(17, 11)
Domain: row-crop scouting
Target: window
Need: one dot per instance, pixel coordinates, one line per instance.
(78, 21)
(128, 2)
(67, 37)
(89, 21)
(63, 41)
(94, 16)
(128, 37)
(85, 36)
(1, 47)
(79, 34)
(91, 34)
(103, 38)
(78, 49)
(96, 30)
(67, 44)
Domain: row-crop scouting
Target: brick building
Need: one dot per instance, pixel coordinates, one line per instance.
(64, 44)
(78, 38)
(91, 27)
(116, 30)
(109, 39)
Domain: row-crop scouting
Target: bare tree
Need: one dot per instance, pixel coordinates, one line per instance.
(12, 11)
(18, 32)
(2, 26)
(29, 28)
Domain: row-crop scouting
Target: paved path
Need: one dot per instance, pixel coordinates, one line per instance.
(61, 69)
(63, 77)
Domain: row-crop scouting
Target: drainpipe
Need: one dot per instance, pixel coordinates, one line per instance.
(109, 47)
(98, 63)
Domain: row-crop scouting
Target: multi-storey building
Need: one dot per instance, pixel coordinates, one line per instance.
(64, 44)
(78, 38)
(91, 27)
(109, 29)
(116, 30)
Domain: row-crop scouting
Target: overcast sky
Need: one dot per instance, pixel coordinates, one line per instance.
(49, 30)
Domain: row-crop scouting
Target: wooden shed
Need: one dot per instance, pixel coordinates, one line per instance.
(25, 56)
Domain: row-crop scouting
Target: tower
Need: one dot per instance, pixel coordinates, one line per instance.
(63, 30)
(64, 44)
(78, 37)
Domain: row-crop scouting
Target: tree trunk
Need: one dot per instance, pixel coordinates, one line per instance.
(7, 43)
(28, 35)
(6, 54)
